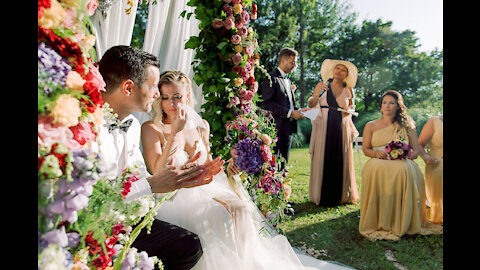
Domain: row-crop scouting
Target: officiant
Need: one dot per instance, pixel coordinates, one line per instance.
(278, 97)
(332, 172)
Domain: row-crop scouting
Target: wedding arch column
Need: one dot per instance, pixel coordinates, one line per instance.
(114, 29)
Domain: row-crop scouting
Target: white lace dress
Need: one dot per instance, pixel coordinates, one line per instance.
(233, 232)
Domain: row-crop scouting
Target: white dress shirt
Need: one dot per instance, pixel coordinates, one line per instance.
(120, 150)
(289, 92)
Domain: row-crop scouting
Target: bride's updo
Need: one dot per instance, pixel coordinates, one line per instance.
(176, 77)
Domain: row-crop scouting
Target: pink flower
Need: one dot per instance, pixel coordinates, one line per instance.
(228, 23)
(237, 2)
(70, 18)
(92, 6)
(255, 87)
(242, 31)
(248, 50)
(237, 58)
(217, 23)
(266, 153)
(50, 133)
(233, 101)
(83, 133)
(236, 39)
(95, 77)
(245, 17)
(228, 10)
(243, 92)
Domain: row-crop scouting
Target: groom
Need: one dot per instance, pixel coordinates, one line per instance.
(280, 100)
(131, 78)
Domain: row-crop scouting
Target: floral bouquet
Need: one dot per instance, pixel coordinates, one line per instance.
(398, 149)
(84, 221)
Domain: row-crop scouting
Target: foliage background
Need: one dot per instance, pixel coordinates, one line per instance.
(320, 29)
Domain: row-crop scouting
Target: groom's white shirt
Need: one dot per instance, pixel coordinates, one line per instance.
(120, 150)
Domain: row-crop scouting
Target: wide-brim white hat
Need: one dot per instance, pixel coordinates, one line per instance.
(328, 65)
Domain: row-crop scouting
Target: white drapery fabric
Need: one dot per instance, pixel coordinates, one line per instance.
(165, 36)
(115, 29)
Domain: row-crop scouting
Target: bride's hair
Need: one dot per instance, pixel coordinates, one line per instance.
(401, 117)
(175, 77)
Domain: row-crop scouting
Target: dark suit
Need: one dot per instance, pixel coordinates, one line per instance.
(275, 99)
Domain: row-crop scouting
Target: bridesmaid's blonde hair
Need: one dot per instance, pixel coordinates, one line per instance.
(401, 118)
(175, 77)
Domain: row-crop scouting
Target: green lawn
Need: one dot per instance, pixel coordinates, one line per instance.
(331, 233)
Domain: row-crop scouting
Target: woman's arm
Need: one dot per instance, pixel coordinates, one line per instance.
(413, 140)
(206, 139)
(313, 100)
(425, 137)
(367, 143)
(155, 157)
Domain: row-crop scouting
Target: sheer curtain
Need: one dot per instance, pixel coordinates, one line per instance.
(165, 36)
(115, 29)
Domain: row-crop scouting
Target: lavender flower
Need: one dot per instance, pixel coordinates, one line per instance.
(249, 155)
(52, 69)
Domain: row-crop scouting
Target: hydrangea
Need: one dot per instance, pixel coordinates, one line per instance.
(250, 157)
(52, 69)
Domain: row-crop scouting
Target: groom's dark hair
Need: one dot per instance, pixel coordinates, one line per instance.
(120, 63)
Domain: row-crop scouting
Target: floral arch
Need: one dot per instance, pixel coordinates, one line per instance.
(83, 220)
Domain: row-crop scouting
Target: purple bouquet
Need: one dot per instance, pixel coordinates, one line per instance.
(250, 157)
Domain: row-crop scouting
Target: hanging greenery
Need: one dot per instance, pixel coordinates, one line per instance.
(226, 55)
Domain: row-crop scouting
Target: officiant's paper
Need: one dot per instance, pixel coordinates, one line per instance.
(311, 114)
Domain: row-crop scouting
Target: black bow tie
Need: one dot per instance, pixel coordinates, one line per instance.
(124, 126)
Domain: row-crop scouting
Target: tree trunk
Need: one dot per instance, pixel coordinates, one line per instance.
(302, 67)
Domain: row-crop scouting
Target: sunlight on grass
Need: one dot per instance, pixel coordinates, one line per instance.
(331, 233)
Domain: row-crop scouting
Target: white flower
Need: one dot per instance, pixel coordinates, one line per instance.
(52, 258)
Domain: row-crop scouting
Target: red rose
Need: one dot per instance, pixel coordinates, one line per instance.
(83, 132)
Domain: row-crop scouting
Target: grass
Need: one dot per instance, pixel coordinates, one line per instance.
(331, 233)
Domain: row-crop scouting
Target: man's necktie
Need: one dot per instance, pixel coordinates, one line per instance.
(124, 126)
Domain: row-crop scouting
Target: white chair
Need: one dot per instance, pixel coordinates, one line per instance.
(358, 147)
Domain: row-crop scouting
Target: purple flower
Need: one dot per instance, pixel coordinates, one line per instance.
(250, 157)
(58, 237)
(52, 69)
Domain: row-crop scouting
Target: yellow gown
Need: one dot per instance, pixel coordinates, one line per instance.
(392, 199)
(434, 174)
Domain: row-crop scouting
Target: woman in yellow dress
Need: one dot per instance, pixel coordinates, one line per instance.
(432, 133)
(392, 198)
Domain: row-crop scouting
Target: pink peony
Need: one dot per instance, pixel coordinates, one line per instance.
(266, 153)
(245, 17)
(228, 23)
(228, 10)
(50, 133)
(237, 2)
(236, 39)
(237, 58)
(217, 23)
(242, 31)
(66, 110)
(255, 87)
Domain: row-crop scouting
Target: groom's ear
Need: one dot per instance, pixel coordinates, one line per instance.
(127, 87)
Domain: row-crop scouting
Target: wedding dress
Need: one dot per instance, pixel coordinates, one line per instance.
(233, 232)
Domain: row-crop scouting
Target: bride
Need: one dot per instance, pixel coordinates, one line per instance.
(233, 232)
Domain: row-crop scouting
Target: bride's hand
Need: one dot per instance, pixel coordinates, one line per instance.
(179, 121)
(232, 169)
